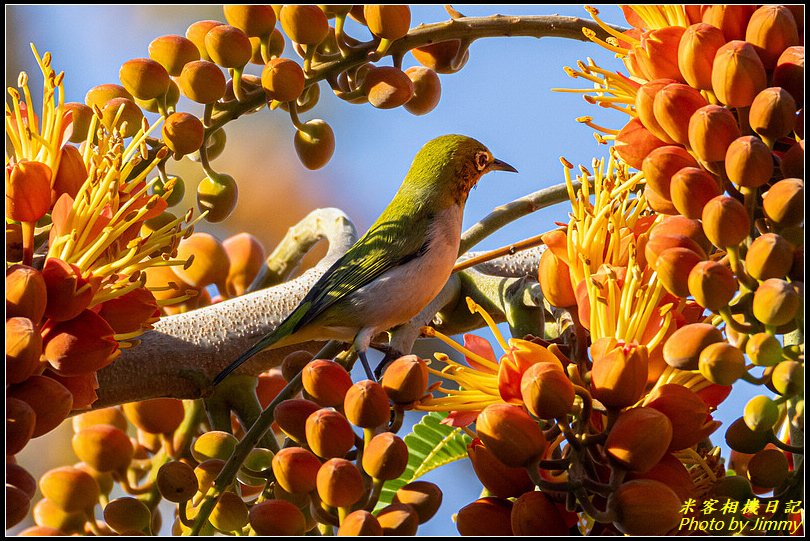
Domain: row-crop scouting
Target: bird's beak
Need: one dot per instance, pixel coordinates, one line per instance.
(498, 165)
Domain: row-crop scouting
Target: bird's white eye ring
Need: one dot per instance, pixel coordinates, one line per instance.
(481, 160)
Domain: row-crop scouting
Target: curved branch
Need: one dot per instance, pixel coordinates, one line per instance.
(466, 28)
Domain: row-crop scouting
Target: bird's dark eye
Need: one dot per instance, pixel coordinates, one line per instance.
(481, 160)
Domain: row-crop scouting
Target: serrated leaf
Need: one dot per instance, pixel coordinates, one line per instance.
(430, 445)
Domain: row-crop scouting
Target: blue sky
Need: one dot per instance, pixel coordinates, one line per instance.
(502, 97)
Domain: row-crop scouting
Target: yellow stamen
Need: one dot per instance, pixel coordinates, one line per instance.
(475, 308)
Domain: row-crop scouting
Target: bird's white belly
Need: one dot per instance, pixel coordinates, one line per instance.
(411, 286)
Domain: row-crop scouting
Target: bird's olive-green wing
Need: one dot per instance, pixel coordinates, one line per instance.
(385, 246)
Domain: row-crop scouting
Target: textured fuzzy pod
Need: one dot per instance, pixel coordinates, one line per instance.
(104, 448)
(173, 52)
(619, 372)
(784, 202)
(339, 483)
(691, 188)
(366, 404)
(721, 363)
(23, 349)
(70, 489)
(661, 164)
(771, 30)
(738, 74)
(326, 382)
(424, 497)
(485, 517)
(673, 106)
(329, 434)
(296, 470)
(427, 90)
(385, 457)
(769, 256)
(646, 507)
(304, 24)
(405, 380)
(69, 292)
(696, 51)
(283, 79)
(749, 162)
(291, 416)
(26, 293)
(144, 78)
(711, 130)
(725, 221)
(639, 439)
(712, 284)
(773, 113)
(776, 302)
(512, 436)
(202, 81)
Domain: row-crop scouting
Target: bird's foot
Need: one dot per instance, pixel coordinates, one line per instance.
(390, 356)
(366, 366)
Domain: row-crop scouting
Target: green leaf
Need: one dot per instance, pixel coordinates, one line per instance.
(430, 445)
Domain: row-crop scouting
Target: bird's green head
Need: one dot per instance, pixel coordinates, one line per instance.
(449, 166)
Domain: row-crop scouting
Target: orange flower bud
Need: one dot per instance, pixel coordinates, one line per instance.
(360, 522)
(202, 81)
(768, 468)
(157, 415)
(731, 20)
(725, 221)
(283, 80)
(366, 404)
(26, 293)
(712, 284)
(645, 101)
(405, 380)
(619, 373)
(686, 411)
(314, 143)
(253, 20)
(23, 348)
(658, 243)
(639, 439)
(776, 302)
(555, 280)
(228, 46)
(691, 188)
(784, 202)
(771, 30)
(177, 482)
(387, 87)
(427, 90)
(547, 391)
(269, 386)
(789, 73)
(230, 513)
(721, 363)
(339, 483)
(295, 363)
(388, 22)
(69, 293)
(792, 165)
(291, 416)
(296, 470)
(80, 345)
(210, 264)
(424, 497)
(788, 378)
(763, 349)
(659, 203)
(696, 51)
(81, 115)
(385, 457)
(17, 505)
(769, 256)
(773, 113)
(144, 78)
(173, 52)
(82, 387)
(485, 517)
(512, 436)
(398, 519)
(329, 434)
(533, 513)
(674, 105)
(749, 162)
(304, 24)
(662, 163)
(682, 349)
(711, 130)
(28, 191)
(760, 413)
(634, 142)
(104, 448)
(681, 225)
(499, 479)
(671, 472)
(131, 311)
(129, 119)
(441, 57)
(70, 489)
(326, 382)
(657, 53)
(21, 421)
(738, 74)
(673, 267)
(646, 507)
(183, 133)
(71, 174)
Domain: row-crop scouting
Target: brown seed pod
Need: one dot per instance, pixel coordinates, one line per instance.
(691, 188)
(696, 51)
(202, 81)
(326, 382)
(533, 513)
(173, 52)
(217, 197)
(712, 284)
(49, 399)
(546, 390)
(314, 143)
(512, 436)
(784, 202)
(20, 423)
(70, 489)
(485, 517)
(398, 519)
(711, 130)
(737, 74)
(673, 106)
(721, 363)
(340, 483)
(742, 439)
(177, 481)
(144, 78)
(253, 20)
(427, 90)
(277, 517)
(771, 30)
(304, 24)
(366, 405)
(646, 507)
(228, 46)
(329, 434)
(385, 456)
(405, 380)
(387, 87)
(749, 162)
(19, 477)
(296, 470)
(359, 523)
(424, 497)
(387, 21)
(776, 302)
(639, 439)
(725, 221)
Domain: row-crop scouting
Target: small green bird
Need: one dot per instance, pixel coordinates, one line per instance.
(400, 264)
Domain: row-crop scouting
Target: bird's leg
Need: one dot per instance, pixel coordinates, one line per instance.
(390, 355)
(366, 366)
(361, 343)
